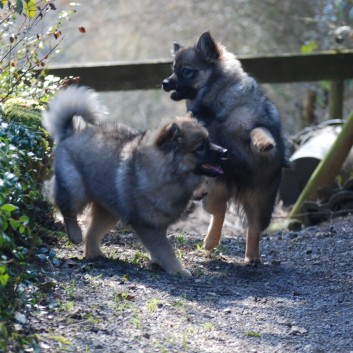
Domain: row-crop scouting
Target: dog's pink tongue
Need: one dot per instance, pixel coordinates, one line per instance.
(214, 168)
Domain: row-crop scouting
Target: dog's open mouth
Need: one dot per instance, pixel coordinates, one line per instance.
(177, 95)
(211, 170)
(183, 93)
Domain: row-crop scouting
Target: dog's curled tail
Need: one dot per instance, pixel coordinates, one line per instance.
(66, 111)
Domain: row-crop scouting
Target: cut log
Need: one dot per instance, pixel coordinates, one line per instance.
(328, 168)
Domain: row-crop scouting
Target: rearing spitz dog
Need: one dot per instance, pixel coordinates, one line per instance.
(144, 179)
(240, 118)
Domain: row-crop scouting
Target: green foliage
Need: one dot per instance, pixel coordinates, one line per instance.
(22, 150)
(25, 48)
(23, 111)
(24, 153)
(309, 47)
(208, 326)
(152, 305)
(331, 28)
(252, 334)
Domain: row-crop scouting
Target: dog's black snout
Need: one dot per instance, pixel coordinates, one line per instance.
(221, 152)
(168, 84)
(224, 154)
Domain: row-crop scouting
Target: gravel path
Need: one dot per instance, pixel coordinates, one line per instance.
(299, 300)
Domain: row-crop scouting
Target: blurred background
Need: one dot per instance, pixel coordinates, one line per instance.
(130, 31)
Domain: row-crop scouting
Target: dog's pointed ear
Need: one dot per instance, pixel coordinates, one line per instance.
(169, 137)
(176, 48)
(208, 47)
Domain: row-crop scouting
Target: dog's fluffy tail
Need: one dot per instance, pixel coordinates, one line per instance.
(65, 113)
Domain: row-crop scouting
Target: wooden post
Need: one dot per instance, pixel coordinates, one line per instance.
(328, 168)
(336, 99)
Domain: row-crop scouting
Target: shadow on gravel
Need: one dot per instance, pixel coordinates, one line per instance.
(298, 300)
(212, 278)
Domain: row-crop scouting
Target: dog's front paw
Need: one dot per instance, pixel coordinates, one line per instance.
(73, 231)
(178, 269)
(264, 146)
(199, 196)
(262, 140)
(252, 261)
(93, 253)
(182, 272)
(210, 243)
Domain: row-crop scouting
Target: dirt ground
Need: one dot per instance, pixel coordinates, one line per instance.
(300, 299)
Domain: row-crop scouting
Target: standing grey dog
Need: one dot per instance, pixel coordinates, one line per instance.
(240, 118)
(144, 179)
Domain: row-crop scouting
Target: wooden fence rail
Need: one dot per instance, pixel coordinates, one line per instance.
(334, 66)
(266, 69)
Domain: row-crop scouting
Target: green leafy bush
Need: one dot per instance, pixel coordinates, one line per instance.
(22, 151)
(26, 43)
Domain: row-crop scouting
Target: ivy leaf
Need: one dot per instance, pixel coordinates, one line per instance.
(4, 226)
(8, 207)
(19, 6)
(30, 7)
(24, 219)
(3, 275)
(14, 223)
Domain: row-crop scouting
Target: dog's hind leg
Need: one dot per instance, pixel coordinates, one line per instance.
(215, 203)
(70, 206)
(252, 250)
(258, 206)
(100, 222)
(73, 229)
(160, 249)
(69, 193)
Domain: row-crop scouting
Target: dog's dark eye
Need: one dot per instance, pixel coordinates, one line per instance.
(200, 149)
(187, 72)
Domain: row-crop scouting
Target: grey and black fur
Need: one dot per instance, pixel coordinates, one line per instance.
(240, 118)
(144, 179)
